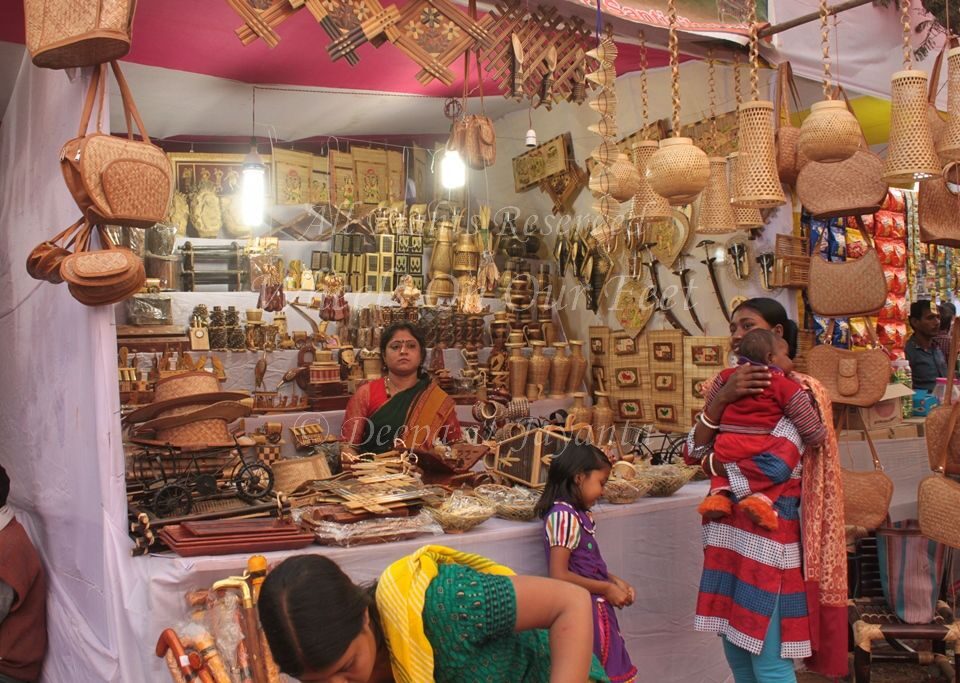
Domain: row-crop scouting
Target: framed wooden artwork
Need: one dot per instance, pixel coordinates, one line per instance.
(597, 346)
(564, 188)
(370, 168)
(401, 263)
(396, 176)
(221, 172)
(665, 412)
(627, 377)
(664, 352)
(630, 409)
(664, 381)
(292, 174)
(320, 181)
(624, 345)
(542, 162)
(696, 388)
(707, 354)
(343, 178)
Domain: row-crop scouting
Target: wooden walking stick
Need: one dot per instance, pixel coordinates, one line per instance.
(248, 622)
(257, 571)
(171, 649)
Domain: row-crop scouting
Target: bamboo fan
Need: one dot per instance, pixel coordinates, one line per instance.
(950, 142)
(831, 133)
(679, 170)
(911, 155)
(756, 183)
(647, 204)
(715, 216)
(610, 179)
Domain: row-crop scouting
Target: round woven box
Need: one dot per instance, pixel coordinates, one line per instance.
(716, 213)
(678, 171)
(949, 148)
(756, 183)
(830, 134)
(910, 155)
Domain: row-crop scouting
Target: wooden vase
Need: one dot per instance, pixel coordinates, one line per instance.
(519, 365)
(559, 371)
(602, 418)
(539, 370)
(579, 412)
(578, 366)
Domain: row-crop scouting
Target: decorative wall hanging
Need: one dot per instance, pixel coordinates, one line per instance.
(370, 168)
(542, 162)
(756, 183)
(358, 21)
(344, 180)
(320, 181)
(536, 33)
(292, 174)
(606, 180)
(563, 188)
(679, 170)
(703, 357)
(434, 33)
(910, 155)
(831, 132)
(716, 214)
(666, 375)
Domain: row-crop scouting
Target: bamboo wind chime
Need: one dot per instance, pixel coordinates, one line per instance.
(831, 133)
(679, 170)
(715, 216)
(613, 179)
(756, 183)
(647, 205)
(911, 155)
(745, 217)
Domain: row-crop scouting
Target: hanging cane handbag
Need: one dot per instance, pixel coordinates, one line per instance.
(938, 211)
(853, 187)
(938, 431)
(63, 34)
(938, 498)
(116, 180)
(43, 262)
(866, 495)
(850, 288)
(937, 124)
(97, 277)
(789, 159)
(855, 378)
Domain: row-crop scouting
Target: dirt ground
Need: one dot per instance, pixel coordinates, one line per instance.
(887, 673)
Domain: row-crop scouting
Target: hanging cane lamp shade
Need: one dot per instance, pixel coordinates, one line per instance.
(950, 142)
(745, 217)
(831, 133)
(716, 213)
(647, 204)
(678, 170)
(756, 183)
(911, 154)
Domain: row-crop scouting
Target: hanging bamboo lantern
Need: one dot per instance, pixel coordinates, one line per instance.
(715, 215)
(756, 183)
(679, 170)
(609, 180)
(647, 204)
(745, 217)
(950, 142)
(910, 155)
(831, 133)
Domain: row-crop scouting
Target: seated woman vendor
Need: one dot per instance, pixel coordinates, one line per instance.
(403, 405)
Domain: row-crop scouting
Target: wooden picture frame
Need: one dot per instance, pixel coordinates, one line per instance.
(597, 347)
(624, 345)
(320, 181)
(627, 377)
(707, 355)
(370, 169)
(221, 170)
(664, 352)
(666, 412)
(697, 388)
(664, 381)
(541, 162)
(293, 173)
(630, 409)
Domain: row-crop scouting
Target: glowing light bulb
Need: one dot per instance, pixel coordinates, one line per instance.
(253, 189)
(453, 172)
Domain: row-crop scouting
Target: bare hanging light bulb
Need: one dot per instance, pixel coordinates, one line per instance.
(254, 178)
(453, 172)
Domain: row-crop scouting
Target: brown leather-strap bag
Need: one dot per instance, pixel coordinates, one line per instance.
(115, 180)
(848, 288)
(855, 378)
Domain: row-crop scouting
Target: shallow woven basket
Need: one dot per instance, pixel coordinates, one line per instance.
(511, 502)
(624, 491)
(665, 480)
(461, 512)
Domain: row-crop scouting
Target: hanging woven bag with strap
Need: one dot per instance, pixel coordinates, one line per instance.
(866, 495)
(97, 277)
(63, 34)
(850, 288)
(937, 429)
(854, 378)
(938, 211)
(789, 159)
(115, 180)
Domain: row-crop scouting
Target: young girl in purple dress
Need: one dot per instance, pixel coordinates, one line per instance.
(575, 482)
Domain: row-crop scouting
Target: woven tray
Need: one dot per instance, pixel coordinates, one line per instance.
(665, 480)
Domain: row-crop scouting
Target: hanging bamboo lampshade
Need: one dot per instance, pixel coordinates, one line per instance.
(911, 155)
(950, 142)
(831, 133)
(745, 217)
(678, 170)
(647, 204)
(756, 183)
(716, 213)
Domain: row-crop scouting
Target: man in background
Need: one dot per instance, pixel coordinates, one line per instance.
(927, 362)
(23, 599)
(947, 313)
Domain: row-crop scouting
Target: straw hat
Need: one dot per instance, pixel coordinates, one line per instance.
(189, 410)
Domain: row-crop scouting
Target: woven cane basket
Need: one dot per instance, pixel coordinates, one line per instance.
(716, 213)
(291, 473)
(949, 143)
(830, 134)
(61, 34)
(461, 512)
(626, 178)
(911, 154)
(647, 204)
(939, 213)
(625, 491)
(515, 503)
(866, 498)
(664, 480)
(938, 508)
(678, 171)
(746, 217)
(756, 183)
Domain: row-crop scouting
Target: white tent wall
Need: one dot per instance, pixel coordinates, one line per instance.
(496, 186)
(58, 427)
